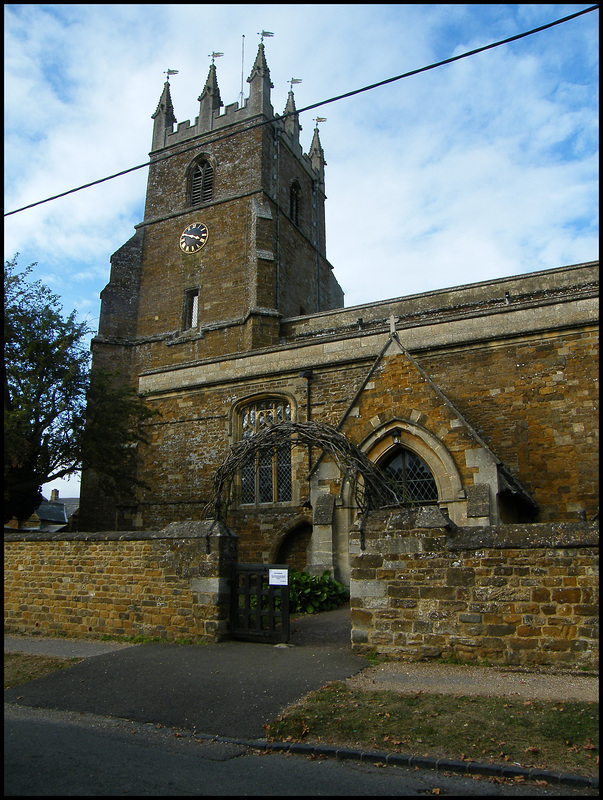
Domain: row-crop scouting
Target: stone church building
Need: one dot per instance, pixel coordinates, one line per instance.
(225, 314)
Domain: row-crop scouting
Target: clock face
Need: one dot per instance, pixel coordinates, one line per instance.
(193, 237)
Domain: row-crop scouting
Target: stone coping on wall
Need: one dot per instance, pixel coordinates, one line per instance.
(189, 529)
(529, 535)
(533, 535)
(388, 522)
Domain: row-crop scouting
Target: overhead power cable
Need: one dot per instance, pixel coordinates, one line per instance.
(335, 99)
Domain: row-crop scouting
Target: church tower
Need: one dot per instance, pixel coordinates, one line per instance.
(233, 236)
(232, 240)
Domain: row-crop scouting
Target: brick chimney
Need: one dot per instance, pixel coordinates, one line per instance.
(54, 495)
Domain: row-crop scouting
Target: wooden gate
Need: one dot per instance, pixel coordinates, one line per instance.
(259, 609)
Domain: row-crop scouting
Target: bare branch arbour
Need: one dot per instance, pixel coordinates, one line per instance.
(373, 489)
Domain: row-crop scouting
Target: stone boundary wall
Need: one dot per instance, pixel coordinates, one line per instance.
(172, 583)
(513, 594)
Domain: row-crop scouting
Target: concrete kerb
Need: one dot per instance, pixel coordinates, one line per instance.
(404, 760)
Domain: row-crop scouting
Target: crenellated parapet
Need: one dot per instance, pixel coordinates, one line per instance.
(214, 116)
(210, 104)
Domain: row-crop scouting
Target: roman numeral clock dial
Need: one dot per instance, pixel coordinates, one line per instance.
(193, 237)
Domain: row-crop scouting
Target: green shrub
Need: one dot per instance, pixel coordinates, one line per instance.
(309, 594)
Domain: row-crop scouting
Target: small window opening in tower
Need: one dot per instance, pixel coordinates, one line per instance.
(202, 183)
(191, 309)
(294, 197)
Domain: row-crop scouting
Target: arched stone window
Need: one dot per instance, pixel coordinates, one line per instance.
(202, 183)
(266, 478)
(294, 199)
(411, 476)
(386, 441)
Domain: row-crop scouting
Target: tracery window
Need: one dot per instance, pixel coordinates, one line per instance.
(202, 183)
(413, 477)
(266, 477)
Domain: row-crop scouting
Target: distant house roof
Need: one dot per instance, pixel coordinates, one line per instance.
(49, 511)
(51, 516)
(71, 504)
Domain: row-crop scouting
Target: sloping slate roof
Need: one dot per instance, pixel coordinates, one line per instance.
(71, 504)
(49, 511)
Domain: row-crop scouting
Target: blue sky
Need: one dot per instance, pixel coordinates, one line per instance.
(476, 170)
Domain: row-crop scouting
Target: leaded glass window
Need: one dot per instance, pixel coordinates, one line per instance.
(415, 483)
(266, 477)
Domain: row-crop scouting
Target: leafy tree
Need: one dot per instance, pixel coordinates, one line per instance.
(58, 416)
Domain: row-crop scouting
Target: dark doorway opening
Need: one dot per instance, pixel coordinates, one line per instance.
(293, 549)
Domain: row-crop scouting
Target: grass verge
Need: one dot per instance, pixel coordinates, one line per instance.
(561, 737)
(23, 667)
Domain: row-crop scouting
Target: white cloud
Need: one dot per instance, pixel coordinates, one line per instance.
(482, 168)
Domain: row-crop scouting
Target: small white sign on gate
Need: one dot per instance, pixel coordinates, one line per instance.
(278, 577)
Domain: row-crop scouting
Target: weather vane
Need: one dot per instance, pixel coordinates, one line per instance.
(264, 34)
(294, 81)
(319, 119)
(169, 72)
(213, 56)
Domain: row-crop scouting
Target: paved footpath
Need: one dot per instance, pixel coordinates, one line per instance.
(408, 678)
(60, 647)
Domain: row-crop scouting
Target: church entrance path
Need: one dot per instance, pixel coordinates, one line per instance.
(231, 688)
(327, 629)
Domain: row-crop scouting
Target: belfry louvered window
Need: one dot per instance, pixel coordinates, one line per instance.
(412, 478)
(266, 476)
(202, 183)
